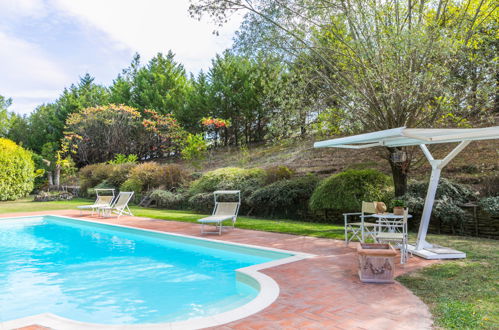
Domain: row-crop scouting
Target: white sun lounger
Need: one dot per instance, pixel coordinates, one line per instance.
(120, 205)
(222, 211)
(100, 201)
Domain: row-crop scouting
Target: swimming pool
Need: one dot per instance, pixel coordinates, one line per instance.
(107, 274)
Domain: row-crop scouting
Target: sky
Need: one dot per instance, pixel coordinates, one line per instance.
(46, 45)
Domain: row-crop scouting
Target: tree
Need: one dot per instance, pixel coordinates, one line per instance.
(385, 64)
(46, 123)
(239, 91)
(198, 103)
(19, 129)
(161, 85)
(97, 134)
(4, 116)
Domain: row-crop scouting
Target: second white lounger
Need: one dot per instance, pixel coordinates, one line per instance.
(222, 211)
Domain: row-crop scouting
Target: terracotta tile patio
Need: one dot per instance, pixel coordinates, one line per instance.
(323, 292)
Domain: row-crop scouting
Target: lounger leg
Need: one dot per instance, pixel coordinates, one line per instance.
(219, 228)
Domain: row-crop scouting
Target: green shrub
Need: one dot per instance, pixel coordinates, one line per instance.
(131, 185)
(167, 199)
(345, 191)
(41, 167)
(173, 176)
(245, 180)
(449, 197)
(287, 198)
(448, 211)
(148, 175)
(202, 202)
(490, 205)
(194, 149)
(92, 175)
(16, 171)
(152, 175)
(119, 173)
(277, 173)
(452, 190)
(124, 159)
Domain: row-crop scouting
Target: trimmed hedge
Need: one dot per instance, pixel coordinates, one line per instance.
(287, 198)
(16, 171)
(228, 178)
(345, 191)
(167, 199)
(277, 173)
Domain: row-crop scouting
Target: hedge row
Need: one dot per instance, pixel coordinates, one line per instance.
(275, 192)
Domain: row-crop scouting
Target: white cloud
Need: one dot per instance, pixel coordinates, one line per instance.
(23, 8)
(46, 44)
(152, 26)
(25, 68)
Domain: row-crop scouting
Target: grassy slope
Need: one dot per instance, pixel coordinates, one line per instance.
(461, 294)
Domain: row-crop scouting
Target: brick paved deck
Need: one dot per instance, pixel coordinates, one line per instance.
(323, 292)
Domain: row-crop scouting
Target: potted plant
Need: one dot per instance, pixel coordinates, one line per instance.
(398, 206)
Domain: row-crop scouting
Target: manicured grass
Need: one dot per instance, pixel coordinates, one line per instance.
(279, 226)
(27, 205)
(461, 294)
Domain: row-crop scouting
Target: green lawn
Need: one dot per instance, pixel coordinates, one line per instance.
(461, 294)
(279, 226)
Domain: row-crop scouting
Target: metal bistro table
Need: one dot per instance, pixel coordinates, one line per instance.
(389, 220)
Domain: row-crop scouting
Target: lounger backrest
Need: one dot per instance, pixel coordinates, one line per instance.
(226, 208)
(98, 201)
(104, 200)
(123, 199)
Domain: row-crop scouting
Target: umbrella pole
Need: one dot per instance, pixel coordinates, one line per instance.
(437, 165)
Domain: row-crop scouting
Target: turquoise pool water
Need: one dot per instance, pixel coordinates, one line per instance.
(106, 274)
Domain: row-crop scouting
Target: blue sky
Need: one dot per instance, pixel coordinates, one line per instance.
(45, 45)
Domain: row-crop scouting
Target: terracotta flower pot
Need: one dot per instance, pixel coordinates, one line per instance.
(398, 210)
(376, 262)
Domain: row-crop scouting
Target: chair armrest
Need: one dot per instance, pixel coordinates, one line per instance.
(357, 213)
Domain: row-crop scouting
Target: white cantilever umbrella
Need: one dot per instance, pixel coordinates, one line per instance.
(400, 137)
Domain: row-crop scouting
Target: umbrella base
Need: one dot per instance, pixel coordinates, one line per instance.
(436, 252)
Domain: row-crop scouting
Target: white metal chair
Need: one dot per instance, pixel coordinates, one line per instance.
(102, 200)
(120, 205)
(222, 211)
(360, 230)
(395, 231)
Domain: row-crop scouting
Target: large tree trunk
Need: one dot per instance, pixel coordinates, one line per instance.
(50, 178)
(400, 171)
(57, 176)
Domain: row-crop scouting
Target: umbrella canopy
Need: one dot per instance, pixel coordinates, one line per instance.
(402, 136)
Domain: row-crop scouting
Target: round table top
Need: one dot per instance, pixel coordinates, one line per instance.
(389, 216)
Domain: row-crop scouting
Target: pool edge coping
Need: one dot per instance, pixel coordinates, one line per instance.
(268, 293)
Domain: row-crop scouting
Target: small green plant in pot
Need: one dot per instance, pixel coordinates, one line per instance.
(398, 206)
